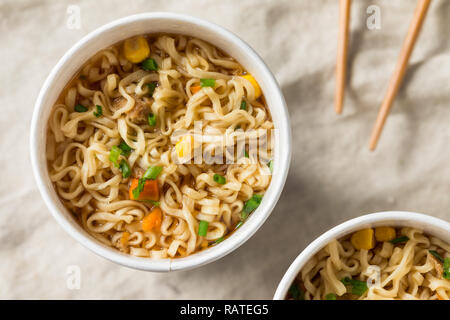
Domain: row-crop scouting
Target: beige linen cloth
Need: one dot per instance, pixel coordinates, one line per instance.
(333, 176)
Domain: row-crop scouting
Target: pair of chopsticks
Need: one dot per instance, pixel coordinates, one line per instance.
(400, 69)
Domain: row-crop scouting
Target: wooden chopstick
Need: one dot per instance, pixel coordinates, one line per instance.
(341, 64)
(397, 77)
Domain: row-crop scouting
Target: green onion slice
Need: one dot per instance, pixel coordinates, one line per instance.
(114, 155)
(250, 205)
(357, 287)
(140, 187)
(124, 149)
(238, 225)
(399, 240)
(152, 173)
(153, 202)
(296, 292)
(151, 88)
(151, 119)
(219, 240)
(207, 82)
(346, 281)
(243, 105)
(436, 255)
(80, 108)
(203, 228)
(447, 268)
(270, 165)
(116, 151)
(246, 154)
(219, 179)
(99, 111)
(149, 65)
(331, 296)
(125, 168)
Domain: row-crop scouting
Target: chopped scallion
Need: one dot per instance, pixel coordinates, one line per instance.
(219, 240)
(152, 202)
(124, 148)
(219, 179)
(140, 187)
(296, 292)
(246, 154)
(80, 108)
(203, 228)
(346, 281)
(149, 65)
(114, 155)
(151, 119)
(270, 165)
(446, 268)
(116, 151)
(331, 296)
(155, 203)
(399, 240)
(243, 105)
(207, 82)
(152, 173)
(99, 111)
(250, 205)
(151, 88)
(436, 255)
(125, 168)
(357, 287)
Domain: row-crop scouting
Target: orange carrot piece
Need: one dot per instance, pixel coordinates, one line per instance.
(150, 192)
(195, 89)
(153, 220)
(124, 238)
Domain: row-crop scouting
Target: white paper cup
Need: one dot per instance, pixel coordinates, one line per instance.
(160, 22)
(430, 225)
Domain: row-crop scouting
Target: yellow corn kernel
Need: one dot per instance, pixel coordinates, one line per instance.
(363, 239)
(384, 234)
(255, 84)
(184, 146)
(124, 238)
(181, 251)
(136, 49)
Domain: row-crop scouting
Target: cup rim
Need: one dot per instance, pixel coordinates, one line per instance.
(200, 258)
(368, 220)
